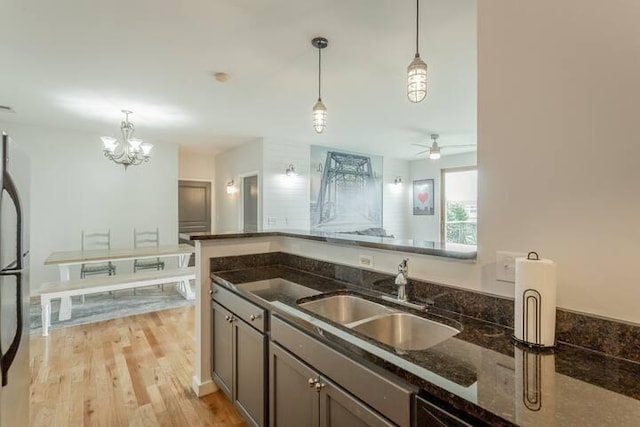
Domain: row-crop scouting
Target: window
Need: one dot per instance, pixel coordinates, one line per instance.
(459, 206)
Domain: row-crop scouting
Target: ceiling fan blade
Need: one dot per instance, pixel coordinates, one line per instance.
(458, 146)
(422, 145)
(422, 152)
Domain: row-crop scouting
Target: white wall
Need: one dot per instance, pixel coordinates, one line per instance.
(73, 187)
(285, 198)
(195, 165)
(559, 145)
(396, 204)
(232, 165)
(427, 227)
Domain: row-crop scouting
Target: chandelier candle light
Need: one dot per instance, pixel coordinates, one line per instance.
(417, 70)
(132, 151)
(319, 110)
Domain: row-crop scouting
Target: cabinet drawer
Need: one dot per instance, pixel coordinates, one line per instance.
(389, 397)
(249, 312)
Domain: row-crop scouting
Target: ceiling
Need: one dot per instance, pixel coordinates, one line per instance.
(75, 64)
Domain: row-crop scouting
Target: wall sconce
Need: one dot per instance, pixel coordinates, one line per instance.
(398, 180)
(290, 171)
(230, 189)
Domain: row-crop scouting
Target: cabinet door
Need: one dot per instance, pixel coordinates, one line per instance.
(222, 354)
(293, 400)
(249, 372)
(340, 409)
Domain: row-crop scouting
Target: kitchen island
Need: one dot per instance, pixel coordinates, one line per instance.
(478, 372)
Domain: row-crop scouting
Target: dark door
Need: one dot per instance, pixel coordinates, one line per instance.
(250, 203)
(194, 206)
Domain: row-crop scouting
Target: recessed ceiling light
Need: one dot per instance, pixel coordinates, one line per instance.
(6, 109)
(221, 77)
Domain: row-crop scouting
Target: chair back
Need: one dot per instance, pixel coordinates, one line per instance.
(146, 238)
(95, 240)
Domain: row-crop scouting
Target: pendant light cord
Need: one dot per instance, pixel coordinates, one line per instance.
(319, 71)
(417, 25)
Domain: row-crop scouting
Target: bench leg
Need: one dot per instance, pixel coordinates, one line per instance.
(65, 308)
(46, 316)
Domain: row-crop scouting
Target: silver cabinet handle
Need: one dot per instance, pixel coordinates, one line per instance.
(319, 386)
(312, 382)
(254, 317)
(227, 318)
(211, 291)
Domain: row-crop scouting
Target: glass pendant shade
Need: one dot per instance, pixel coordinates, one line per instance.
(146, 148)
(135, 144)
(434, 152)
(110, 143)
(319, 116)
(417, 80)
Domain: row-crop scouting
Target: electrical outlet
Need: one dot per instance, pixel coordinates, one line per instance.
(366, 261)
(272, 220)
(506, 265)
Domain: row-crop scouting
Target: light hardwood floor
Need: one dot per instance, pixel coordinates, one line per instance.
(132, 371)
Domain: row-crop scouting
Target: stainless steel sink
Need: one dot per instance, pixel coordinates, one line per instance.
(405, 331)
(345, 309)
(276, 289)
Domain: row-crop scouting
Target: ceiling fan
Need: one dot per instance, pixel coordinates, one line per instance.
(434, 148)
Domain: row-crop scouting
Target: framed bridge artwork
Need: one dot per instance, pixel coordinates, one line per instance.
(423, 197)
(345, 190)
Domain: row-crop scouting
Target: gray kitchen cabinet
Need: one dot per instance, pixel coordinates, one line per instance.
(301, 397)
(293, 400)
(349, 393)
(222, 365)
(239, 355)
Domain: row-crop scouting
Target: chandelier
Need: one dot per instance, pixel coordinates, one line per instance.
(131, 151)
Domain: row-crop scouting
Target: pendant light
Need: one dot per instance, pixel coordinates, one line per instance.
(319, 110)
(417, 70)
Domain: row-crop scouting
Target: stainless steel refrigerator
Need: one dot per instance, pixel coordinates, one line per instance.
(14, 285)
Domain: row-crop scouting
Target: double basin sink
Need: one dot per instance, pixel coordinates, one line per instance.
(398, 329)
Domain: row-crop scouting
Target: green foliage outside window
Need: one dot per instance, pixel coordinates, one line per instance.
(458, 227)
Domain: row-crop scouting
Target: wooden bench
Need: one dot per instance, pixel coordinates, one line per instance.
(95, 285)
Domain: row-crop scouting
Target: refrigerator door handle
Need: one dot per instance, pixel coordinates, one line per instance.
(9, 186)
(9, 271)
(7, 358)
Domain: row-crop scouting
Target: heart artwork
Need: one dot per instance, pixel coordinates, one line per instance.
(423, 197)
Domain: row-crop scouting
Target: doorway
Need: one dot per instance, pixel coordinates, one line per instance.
(194, 206)
(250, 203)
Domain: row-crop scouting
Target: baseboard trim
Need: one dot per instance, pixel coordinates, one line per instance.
(202, 389)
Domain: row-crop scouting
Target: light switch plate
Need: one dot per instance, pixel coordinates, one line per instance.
(506, 265)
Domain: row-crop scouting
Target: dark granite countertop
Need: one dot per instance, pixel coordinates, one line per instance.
(447, 250)
(479, 371)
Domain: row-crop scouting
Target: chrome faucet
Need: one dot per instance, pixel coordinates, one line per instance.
(401, 279)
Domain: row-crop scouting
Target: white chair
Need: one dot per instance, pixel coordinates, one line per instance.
(147, 238)
(97, 240)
